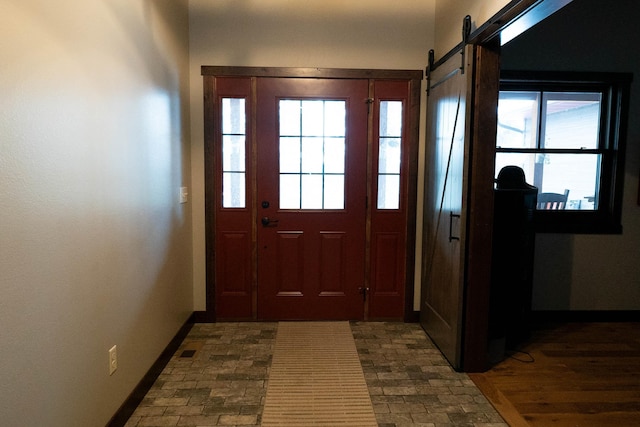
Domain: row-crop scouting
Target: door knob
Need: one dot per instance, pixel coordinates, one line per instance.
(268, 222)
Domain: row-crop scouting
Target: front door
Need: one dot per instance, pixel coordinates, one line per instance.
(311, 193)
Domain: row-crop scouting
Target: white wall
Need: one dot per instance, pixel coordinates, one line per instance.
(95, 249)
(589, 272)
(281, 33)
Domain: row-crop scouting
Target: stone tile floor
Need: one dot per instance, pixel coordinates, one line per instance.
(222, 381)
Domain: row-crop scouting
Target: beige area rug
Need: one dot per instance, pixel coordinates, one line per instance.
(316, 378)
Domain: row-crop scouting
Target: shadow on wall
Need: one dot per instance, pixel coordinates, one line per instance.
(552, 275)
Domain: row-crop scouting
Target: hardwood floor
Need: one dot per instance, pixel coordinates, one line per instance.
(574, 374)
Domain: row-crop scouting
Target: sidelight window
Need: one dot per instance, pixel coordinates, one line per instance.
(233, 153)
(389, 154)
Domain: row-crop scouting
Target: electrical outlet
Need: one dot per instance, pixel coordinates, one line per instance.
(113, 360)
(184, 195)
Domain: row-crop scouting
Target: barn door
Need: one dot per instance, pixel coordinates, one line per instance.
(445, 216)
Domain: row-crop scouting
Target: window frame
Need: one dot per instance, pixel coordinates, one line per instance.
(614, 87)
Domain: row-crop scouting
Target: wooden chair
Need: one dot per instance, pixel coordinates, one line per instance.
(553, 201)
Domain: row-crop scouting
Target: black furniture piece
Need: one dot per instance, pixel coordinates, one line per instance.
(512, 262)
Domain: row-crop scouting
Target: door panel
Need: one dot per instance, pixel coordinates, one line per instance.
(308, 231)
(443, 275)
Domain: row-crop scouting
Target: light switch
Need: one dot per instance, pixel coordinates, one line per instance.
(184, 195)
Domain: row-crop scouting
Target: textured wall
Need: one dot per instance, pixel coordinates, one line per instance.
(95, 249)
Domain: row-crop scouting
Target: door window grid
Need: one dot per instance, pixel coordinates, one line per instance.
(234, 153)
(389, 154)
(312, 154)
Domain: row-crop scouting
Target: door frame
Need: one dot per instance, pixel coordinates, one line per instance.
(414, 77)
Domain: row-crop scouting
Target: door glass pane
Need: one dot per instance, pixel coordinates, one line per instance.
(388, 194)
(518, 119)
(312, 154)
(334, 155)
(233, 190)
(312, 118)
(572, 120)
(289, 155)
(233, 153)
(334, 122)
(333, 196)
(290, 191)
(311, 192)
(557, 173)
(389, 155)
(233, 116)
(289, 117)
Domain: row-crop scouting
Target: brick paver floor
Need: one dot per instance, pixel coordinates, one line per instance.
(219, 377)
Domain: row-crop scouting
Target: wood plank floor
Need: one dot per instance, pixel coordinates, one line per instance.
(575, 374)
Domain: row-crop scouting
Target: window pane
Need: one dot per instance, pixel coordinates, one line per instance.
(389, 155)
(334, 120)
(391, 118)
(389, 192)
(572, 120)
(233, 116)
(289, 155)
(290, 118)
(233, 190)
(290, 191)
(334, 155)
(312, 118)
(556, 173)
(233, 153)
(517, 119)
(311, 192)
(333, 192)
(312, 155)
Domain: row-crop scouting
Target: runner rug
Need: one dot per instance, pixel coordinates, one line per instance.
(316, 378)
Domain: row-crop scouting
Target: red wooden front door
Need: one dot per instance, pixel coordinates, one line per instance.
(311, 197)
(310, 191)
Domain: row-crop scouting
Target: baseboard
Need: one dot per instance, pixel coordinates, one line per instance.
(135, 398)
(566, 316)
(412, 317)
(203, 317)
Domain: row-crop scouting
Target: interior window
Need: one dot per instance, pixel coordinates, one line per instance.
(566, 131)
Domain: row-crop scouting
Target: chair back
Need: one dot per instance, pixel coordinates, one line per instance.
(552, 201)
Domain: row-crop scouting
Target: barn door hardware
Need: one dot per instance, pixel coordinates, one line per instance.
(432, 60)
(466, 32)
